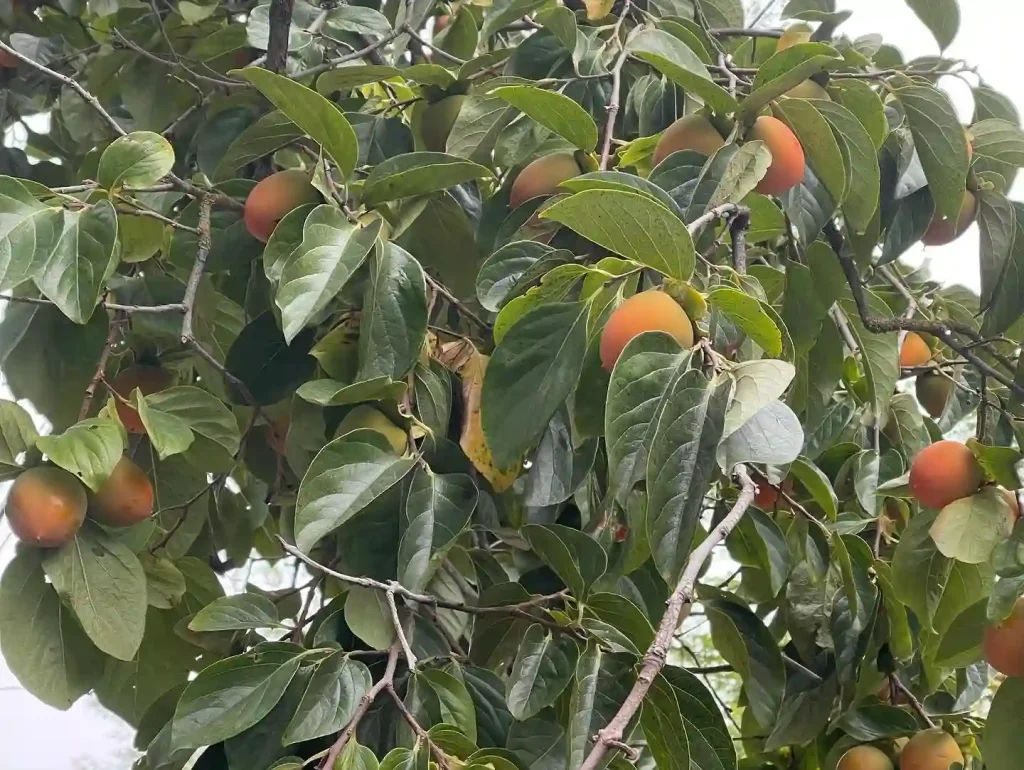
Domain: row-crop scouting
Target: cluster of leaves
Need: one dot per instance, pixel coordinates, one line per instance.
(491, 552)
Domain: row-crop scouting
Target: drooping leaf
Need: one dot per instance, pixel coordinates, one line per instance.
(543, 668)
(234, 613)
(89, 449)
(141, 158)
(330, 698)
(418, 173)
(554, 111)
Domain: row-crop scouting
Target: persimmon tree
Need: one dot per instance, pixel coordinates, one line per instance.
(519, 332)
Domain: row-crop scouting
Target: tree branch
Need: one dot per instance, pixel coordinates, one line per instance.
(613, 105)
(280, 29)
(738, 230)
(943, 329)
(742, 32)
(442, 759)
(410, 657)
(192, 287)
(679, 605)
(367, 51)
(101, 365)
(912, 699)
(516, 610)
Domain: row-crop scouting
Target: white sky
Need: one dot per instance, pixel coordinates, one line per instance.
(36, 737)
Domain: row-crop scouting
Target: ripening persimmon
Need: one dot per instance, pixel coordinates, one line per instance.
(768, 495)
(1004, 643)
(437, 120)
(864, 758)
(542, 177)
(933, 391)
(942, 231)
(788, 161)
(944, 472)
(932, 749)
(914, 351)
(46, 506)
(274, 197)
(148, 379)
(648, 311)
(125, 498)
(692, 132)
(8, 60)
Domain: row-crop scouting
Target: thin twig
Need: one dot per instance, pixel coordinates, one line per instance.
(516, 610)
(458, 304)
(442, 759)
(912, 699)
(71, 83)
(718, 212)
(679, 605)
(744, 32)
(354, 56)
(410, 657)
(386, 681)
(174, 307)
(407, 29)
(101, 365)
(738, 230)
(613, 104)
(192, 287)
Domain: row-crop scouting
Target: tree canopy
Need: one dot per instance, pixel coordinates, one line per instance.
(521, 331)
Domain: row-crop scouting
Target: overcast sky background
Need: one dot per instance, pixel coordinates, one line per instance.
(86, 737)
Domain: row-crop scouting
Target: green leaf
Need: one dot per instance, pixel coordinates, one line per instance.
(200, 411)
(879, 353)
(333, 393)
(744, 641)
(456, 702)
(29, 231)
(629, 224)
(169, 434)
(331, 251)
(757, 384)
(786, 70)
(368, 616)
(231, 696)
(745, 168)
(674, 59)
(936, 588)
(901, 642)
(576, 557)
(418, 173)
(746, 312)
(140, 159)
(764, 547)
(940, 142)
(817, 484)
(625, 616)
(819, 143)
(437, 510)
(602, 682)
(531, 373)
(82, 259)
(480, 122)
(554, 111)
(393, 322)
(774, 435)
(1005, 308)
(543, 668)
(861, 99)
(997, 220)
(862, 199)
(710, 743)
(103, 582)
(969, 529)
(311, 112)
(89, 449)
(642, 374)
(330, 698)
(346, 475)
(267, 135)
(42, 644)
(680, 466)
(1003, 740)
(662, 722)
(236, 613)
(942, 17)
(18, 435)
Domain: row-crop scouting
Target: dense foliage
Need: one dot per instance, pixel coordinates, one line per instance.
(501, 322)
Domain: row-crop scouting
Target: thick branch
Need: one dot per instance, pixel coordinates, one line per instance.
(738, 230)
(678, 609)
(280, 28)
